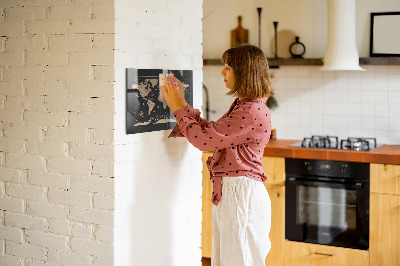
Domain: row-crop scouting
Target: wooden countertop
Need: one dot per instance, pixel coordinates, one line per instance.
(389, 154)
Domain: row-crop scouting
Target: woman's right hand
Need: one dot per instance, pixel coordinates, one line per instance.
(181, 91)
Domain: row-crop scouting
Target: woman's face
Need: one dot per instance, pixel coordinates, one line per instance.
(229, 76)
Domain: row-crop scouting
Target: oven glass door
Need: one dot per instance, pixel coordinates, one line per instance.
(326, 213)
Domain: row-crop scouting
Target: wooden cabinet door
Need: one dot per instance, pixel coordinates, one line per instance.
(304, 254)
(274, 168)
(384, 236)
(277, 233)
(385, 178)
(206, 226)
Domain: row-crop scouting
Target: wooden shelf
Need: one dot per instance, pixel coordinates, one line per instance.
(380, 61)
(274, 63)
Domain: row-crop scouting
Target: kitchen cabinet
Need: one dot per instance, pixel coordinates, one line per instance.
(385, 214)
(305, 254)
(274, 168)
(206, 225)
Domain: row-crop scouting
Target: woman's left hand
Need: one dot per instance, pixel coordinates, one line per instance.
(171, 95)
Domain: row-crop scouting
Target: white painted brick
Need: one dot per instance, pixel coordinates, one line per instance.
(82, 230)
(32, 262)
(24, 73)
(98, 120)
(92, 151)
(46, 240)
(69, 197)
(12, 28)
(48, 179)
(11, 260)
(74, 135)
(91, 26)
(104, 233)
(81, 73)
(103, 11)
(3, 44)
(11, 59)
(46, 148)
(91, 89)
(97, 57)
(25, 103)
(97, 105)
(101, 136)
(68, 258)
(56, 103)
(25, 191)
(46, 88)
(93, 184)
(24, 13)
(25, 250)
(2, 158)
(12, 145)
(94, 216)
(105, 260)
(47, 58)
(46, 27)
(104, 169)
(91, 247)
(46, 209)
(25, 161)
(11, 233)
(25, 221)
(103, 41)
(46, 118)
(103, 202)
(11, 88)
(60, 227)
(70, 166)
(45, 2)
(24, 132)
(70, 42)
(69, 12)
(12, 204)
(104, 73)
(31, 43)
(11, 117)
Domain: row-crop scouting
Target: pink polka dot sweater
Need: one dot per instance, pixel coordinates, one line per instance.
(238, 139)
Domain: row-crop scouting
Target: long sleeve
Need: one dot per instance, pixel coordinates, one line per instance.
(229, 131)
(193, 113)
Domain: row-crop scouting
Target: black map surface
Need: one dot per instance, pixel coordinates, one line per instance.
(146, 109)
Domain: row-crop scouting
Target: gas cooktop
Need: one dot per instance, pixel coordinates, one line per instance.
(332, 142)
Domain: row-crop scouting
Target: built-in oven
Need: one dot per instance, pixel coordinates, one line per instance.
(327, 202)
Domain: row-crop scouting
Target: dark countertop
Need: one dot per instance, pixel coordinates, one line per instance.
(389, 154)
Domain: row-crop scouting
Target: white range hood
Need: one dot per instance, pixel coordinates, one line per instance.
(341, 51)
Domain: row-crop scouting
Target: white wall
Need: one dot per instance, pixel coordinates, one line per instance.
(56, 132)
(305, 18)
(344, 103)
(158, 180)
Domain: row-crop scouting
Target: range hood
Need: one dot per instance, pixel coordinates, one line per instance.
(341, 51)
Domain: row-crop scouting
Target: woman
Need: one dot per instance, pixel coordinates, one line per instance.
(242, 208)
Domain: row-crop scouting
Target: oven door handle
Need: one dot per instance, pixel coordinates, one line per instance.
(357, 185)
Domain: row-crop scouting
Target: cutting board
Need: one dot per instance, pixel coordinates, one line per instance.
(239, 35)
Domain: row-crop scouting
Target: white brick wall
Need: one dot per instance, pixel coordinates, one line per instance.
(56, 132)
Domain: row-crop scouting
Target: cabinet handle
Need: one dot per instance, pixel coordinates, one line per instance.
(324, 254)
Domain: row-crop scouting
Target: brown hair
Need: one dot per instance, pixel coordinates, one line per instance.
(250, 66)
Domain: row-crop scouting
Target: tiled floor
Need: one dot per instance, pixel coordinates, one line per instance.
(206, 261)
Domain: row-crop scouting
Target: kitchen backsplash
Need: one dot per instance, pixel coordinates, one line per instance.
(314, 102)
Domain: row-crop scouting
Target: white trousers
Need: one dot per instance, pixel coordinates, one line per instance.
(241, 223)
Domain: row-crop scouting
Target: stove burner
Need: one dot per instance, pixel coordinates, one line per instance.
(332, 142)
(358, 144)
(328, 142)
